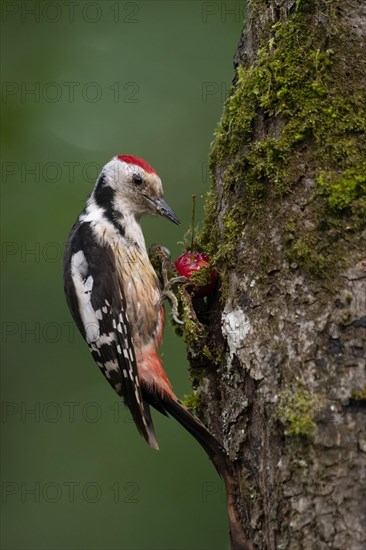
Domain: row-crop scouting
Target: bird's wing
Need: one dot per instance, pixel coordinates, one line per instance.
(97, 305)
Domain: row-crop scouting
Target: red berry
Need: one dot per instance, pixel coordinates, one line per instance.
(191, 262)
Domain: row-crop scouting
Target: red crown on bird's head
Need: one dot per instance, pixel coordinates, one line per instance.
(130, 159)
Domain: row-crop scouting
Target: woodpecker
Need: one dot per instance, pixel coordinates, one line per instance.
(116, 300)
(115, 296)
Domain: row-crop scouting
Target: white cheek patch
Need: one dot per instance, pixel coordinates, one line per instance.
(83, 289)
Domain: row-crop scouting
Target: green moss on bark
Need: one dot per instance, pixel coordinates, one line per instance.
(299, 111)
(359, 395)
(192, 401)
(190, 330)
(296, 411)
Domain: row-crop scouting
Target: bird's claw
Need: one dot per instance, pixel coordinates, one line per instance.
(173, 281)
(176, 319)
(164, 257)
(172, 299)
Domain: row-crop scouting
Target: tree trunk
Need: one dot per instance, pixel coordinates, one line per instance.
(279, 359)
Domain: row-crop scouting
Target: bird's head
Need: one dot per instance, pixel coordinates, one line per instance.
(130, 184)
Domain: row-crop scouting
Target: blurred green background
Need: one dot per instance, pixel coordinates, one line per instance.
(81, 82)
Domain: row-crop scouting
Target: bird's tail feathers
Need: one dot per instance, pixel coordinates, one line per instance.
(198, 430)
(144, 424)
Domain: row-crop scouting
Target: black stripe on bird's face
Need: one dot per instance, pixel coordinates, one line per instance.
(104, 196)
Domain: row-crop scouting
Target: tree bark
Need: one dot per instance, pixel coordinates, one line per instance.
(279, 358)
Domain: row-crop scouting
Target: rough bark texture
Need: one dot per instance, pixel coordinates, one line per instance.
(279, 360)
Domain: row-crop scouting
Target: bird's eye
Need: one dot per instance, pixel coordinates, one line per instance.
(137, 179)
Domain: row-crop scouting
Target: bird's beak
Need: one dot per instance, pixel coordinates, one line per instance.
(164, 210)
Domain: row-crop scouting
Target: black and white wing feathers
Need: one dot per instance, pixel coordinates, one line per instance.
(97, 305)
